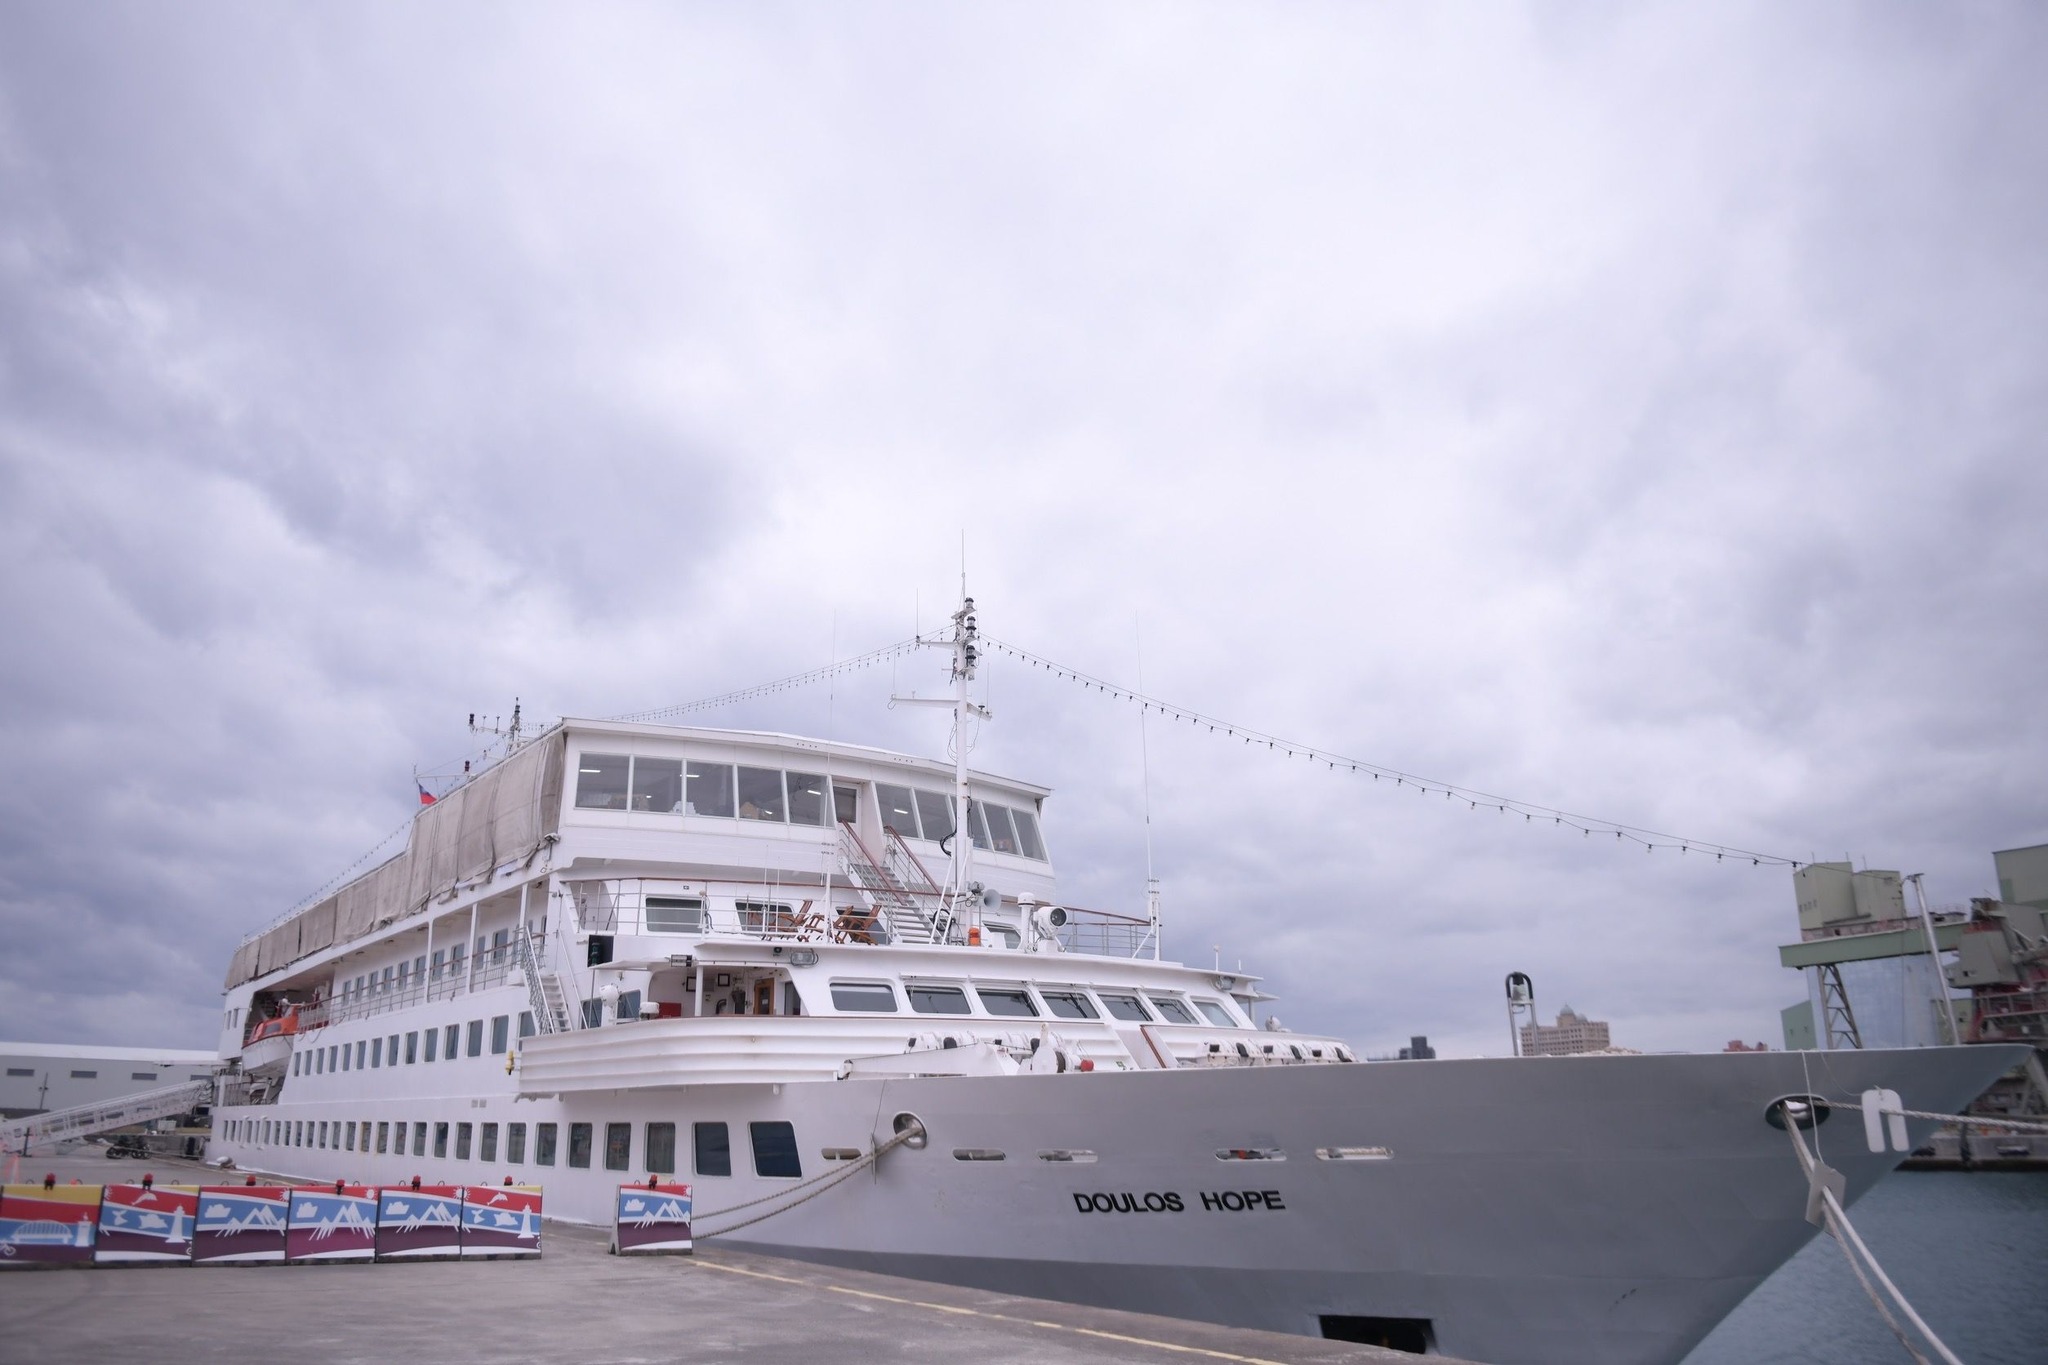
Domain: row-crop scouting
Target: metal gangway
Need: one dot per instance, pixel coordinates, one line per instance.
(58, 1125)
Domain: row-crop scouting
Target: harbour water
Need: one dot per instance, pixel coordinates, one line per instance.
(1968, 1249)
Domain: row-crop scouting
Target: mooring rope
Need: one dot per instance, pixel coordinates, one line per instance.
(1845, 1236)
(821, 1183)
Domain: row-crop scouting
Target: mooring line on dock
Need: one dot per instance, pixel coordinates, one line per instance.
(1127, 1339)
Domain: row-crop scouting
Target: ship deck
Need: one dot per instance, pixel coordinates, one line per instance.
(578, 1302)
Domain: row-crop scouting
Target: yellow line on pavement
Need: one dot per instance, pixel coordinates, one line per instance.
(994, 1317)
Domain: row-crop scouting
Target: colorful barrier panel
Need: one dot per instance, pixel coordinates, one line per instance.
(146, 1223)
(652, 1219)
(239, 1224)
(501, 1220)
(48, 1226)
(419, 1224)
(332, 1223)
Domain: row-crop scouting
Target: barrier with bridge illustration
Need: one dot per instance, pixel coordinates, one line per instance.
(83, 1225)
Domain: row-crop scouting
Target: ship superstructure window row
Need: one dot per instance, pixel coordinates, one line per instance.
(672, 786)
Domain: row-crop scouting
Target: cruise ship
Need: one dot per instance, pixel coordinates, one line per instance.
(835, 990)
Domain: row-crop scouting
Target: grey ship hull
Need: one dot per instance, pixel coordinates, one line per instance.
(1555, 1211)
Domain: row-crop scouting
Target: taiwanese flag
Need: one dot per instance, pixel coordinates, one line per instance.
(427, 798)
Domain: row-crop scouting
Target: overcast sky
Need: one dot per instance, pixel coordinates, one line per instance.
(1637, 409)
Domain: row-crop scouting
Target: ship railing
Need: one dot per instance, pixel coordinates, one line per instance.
(1106, 933)
(488, 968)
(632, 906)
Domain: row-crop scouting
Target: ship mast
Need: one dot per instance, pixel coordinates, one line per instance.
(966, 653)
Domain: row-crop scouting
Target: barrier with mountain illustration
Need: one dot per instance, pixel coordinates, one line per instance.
(149, 1224)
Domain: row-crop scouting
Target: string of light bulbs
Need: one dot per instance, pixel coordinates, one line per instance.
(794, 680)
(1651, 840)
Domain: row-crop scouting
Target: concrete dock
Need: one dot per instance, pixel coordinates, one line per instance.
(577, 1302)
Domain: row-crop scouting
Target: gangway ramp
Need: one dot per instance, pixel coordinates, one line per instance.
(59, 1125)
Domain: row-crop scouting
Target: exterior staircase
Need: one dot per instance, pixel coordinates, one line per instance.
(543, 989)
(896, 887)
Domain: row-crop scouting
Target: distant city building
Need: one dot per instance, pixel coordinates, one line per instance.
(1737, 1045)
(1571, 1033)
(1418, 1049)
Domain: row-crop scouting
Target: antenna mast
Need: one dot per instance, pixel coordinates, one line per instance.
(1145, 771)
(966, 650)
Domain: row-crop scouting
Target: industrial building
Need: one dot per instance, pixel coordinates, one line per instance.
(35, 1077)
(1572, 1033)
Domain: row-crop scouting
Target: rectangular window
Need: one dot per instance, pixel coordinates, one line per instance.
(593, 1014)
(1068, 1004)
(450, 1037)
(629, 1005)
(296, 1059)
(937, 999)
(462, 1141)
(977, 824)
(501, 1033)
(713, 1148)
(674, 915)
(345, 1050)
(661, 1149)
(935, 813)
(1027, 835)
(775, 1150)
(658, 785)
(440, 960)
(487, 1143)
(441, 1141)
(419, 1138)
(21, 1071)
(1125, 1007)
(332, 1052)
(526, 1029)
(579, 1145)
(601, 781)
(433, 1036)
(361, 1045)
(864, 997)
(404, 975)
(1172, 1011)
(761, 916)
(384, 1136)
(391, 1049)
(348, 1137)
(476, 1037)
(455, 962)
(1001, 838)
(618, 1146)
(1010, 1004)
(323, 1135)
(142, 1075)
(1214, 1012)
(761, 794)
(898, 810)
(376, 1052)
(543, 1144)
(515, 1143)
(710, 789)
(846, 804)
(419, 969)
(806, 798)
(499, 939)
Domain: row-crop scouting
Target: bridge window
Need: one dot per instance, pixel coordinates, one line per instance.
(1125, 1007)
(938, 999)
(601, 781)
(1012, 1004)
(1216, 1014)
(761, 794)
(1001, 834)
(977, 823)
(898, 811)
(806, 799)
(1028, 842)
(1069, 1004)
(864, 997)
(658, 784)
(1171, 1010)
(675, 915)
(710, 789)
(935, 812)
